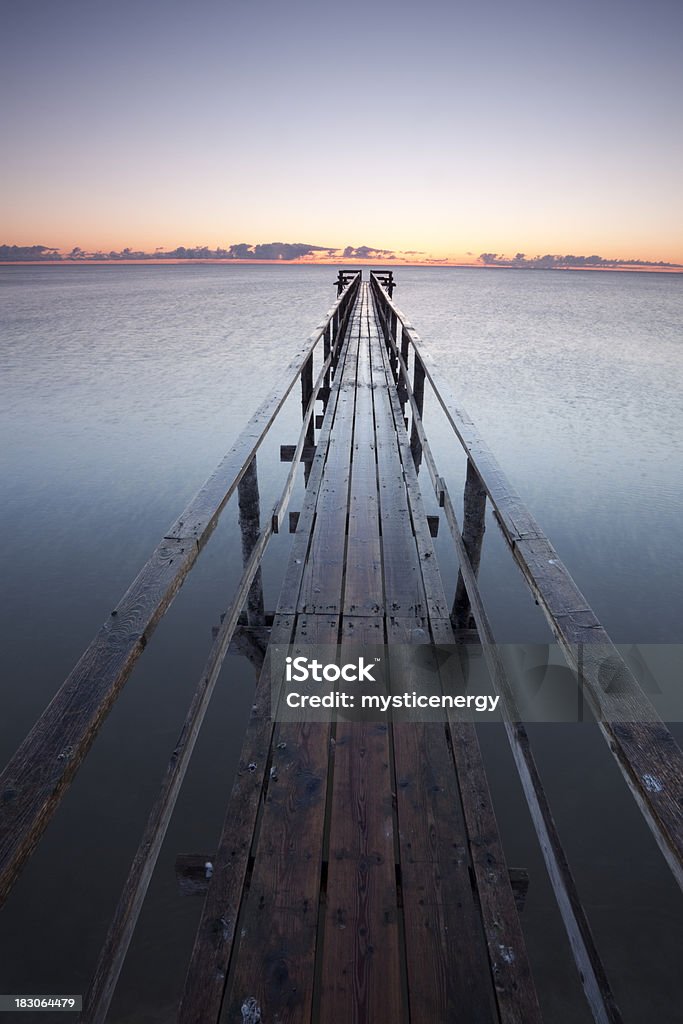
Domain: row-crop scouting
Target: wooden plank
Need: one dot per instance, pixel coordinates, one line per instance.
(363, 589)
(213, 947)
(447, 962)
(362, 955)
(589, 965)
(38, 775)
(431, 580)
(207, 971)
(328, 542)
(274, 961)
(509, 966)
(404, 591)
(515, 991)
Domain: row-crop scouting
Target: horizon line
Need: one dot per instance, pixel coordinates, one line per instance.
(623, 267)
(309, 254)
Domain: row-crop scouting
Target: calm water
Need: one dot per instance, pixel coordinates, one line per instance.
(121, 388)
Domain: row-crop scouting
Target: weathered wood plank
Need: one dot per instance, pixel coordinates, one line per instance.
(213, 947)
(363, 588)
(274, 961)
(447, 962)
(362, 955)
(590, 967)
(404, 590)
(321, 590)
(430, 581)
(510, 972)
(207, 971)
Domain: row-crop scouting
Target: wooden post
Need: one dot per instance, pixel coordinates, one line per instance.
(402, 385)
(474, 525)
(250, 526)
(405, 345)
(306, 392)
(418, 394)
(336, 320)
(327, 348)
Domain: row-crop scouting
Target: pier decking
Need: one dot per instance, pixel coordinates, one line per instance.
(359, 875)
(360, 868)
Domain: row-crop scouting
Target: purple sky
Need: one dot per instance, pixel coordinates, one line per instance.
(446, 128)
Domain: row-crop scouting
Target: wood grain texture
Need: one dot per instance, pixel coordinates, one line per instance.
(362, 956)
(274, 960)
(509, 966)
(447, 962)
(214, 942)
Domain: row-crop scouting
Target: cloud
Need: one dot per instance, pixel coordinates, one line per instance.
(288, 252)
(13, 253)
(553, 262)
(367, 252)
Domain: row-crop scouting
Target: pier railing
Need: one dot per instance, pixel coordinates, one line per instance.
(644, 749)
(39, 774)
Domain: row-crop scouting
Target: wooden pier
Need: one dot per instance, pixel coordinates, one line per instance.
(359, 875)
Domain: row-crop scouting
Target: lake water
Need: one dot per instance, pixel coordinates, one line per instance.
(120, 390)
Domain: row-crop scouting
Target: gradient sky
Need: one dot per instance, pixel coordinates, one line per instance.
(442, 127)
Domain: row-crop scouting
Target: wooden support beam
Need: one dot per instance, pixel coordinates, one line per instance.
(250, 528)
(306, 393)
(474, 525)
(418, 393)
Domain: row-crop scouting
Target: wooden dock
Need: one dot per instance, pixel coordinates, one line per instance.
(359, 875)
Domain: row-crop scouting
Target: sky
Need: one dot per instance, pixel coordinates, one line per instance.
(439, 128)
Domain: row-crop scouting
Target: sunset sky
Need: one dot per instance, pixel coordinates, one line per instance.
(448, 128)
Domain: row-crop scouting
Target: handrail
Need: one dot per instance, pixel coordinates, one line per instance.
(38, 775)
(644, 749)
(591, 970)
